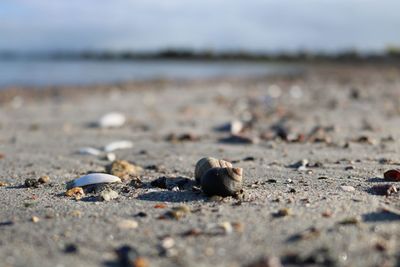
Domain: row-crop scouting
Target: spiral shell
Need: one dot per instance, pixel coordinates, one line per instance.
(222, 181)
(204, 164)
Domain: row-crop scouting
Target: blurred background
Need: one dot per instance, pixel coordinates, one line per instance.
(71, 42)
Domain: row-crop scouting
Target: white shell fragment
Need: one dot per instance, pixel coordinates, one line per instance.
(236, 127)
(118, 145)
(95, 178)
(348, 188)
(89, 151)
(111, 120)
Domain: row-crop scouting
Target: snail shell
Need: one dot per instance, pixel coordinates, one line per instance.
(222, 181)
(204, 164)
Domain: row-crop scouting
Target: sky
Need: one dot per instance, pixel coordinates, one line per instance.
(148, 25)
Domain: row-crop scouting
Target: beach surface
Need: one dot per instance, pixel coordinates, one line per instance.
(342, 121)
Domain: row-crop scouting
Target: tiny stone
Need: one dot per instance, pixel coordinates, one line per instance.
(44, 179)
(392, 175)
(283, 212)
(349, 221)
(31, 183)
(327, 214)
(35, 219)
(226, 227)
(3, 184)
(71, 248)
(160, 206)
(167, 243)
(266, 262)
(348, 168)
(141, 214)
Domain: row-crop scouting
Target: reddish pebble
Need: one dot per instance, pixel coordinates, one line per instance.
(160, 206)
(392, 175)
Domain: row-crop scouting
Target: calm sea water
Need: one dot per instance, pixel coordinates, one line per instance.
(79, 72)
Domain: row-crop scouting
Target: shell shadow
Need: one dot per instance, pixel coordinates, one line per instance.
(380, 216)
(172, 196)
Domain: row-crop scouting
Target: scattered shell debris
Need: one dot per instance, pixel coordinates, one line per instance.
(123, 144)
(111, 120)
(89, 151)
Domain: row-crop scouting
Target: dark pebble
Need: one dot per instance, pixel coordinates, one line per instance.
(71, 248)
(31, 183)
(392, 175)
(127, 255)
(141, 214)
(249, 159)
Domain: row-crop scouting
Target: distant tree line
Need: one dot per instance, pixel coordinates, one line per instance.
(391, 54)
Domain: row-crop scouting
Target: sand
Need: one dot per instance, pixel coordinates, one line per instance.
(356, 106)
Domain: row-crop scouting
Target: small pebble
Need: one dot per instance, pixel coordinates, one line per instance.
(177, 212)
(168, 243)
(349, 221)
(35, 219)
(226, 227)
(129, 257)
(31, 183)
(392, 175)
(283, 212)
(71, 248)
(44, 179)
(3, 184)
(266, 262)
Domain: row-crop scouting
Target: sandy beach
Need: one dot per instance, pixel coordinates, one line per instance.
(342, 121)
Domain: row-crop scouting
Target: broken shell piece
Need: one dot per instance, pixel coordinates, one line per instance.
(118, 145)
(94, 178)
(111, 120)
(89, 151)
(110, 157)
(108, 194)
(127, 224)
(348, 188)
(204, 164)
(123, 169)
(76, 192)
(222, 181)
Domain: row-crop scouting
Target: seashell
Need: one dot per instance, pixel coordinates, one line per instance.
(204, 164)
(118, 145)
(111, 120)
(222, 181)
(89, 151)
(94, 178)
